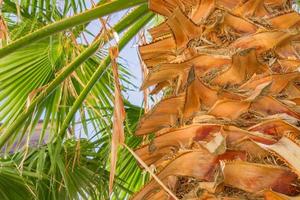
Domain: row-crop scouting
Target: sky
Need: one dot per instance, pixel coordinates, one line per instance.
(128, 57)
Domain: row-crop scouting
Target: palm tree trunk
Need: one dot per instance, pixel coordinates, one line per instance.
(227, 125)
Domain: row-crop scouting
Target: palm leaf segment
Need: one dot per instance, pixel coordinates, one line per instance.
(226, 127)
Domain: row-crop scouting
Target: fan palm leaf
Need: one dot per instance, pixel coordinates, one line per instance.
(42, 85)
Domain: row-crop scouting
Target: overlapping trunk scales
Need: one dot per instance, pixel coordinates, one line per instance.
(228, 126)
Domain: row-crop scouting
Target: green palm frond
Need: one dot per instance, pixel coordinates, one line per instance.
(79, 170)
(46, 31)
(70, 86)
(58, 91)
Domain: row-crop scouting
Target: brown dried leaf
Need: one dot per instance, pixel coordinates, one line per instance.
(161, 31)
(169, 71)
(185, 136)
(251, 148)
(160, 6)
(289, 65)
(288, 150)
(292, 91)
(33, 94)
(203, 9)
(118, 118)
(167, 7)
(252, 177)
(179, 137)
(285, 21)
(230, 4)
(159, 87)
(206, 196)
(161, 195)
(217, 145)
(164, 73)
(244, 65)
(198, 95)
(279, 82)
(258, 91)
(251, 8)
(275, 127)
(239, 24)
(268, 105)
(202, 161)
(183, 28)
(234, 135)
(155, 178)
(270, 195)
(209, 186)
(276, 2)
(289, 50)
(230, 109)
(203, 164)
(158, 52)
(164, 114)
(263, 41)
(3, 29)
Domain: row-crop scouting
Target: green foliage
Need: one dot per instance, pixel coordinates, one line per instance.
(43, 76)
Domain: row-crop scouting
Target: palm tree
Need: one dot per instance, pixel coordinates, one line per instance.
(226, 127)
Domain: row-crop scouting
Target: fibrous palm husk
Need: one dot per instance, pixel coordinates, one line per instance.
(228, 128)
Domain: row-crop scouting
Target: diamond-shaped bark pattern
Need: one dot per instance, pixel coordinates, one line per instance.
(227, 126)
